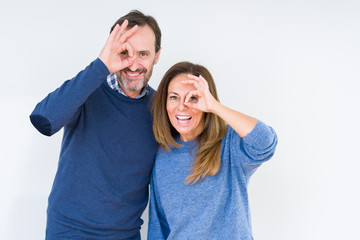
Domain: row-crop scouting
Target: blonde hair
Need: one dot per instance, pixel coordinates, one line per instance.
(207, 158)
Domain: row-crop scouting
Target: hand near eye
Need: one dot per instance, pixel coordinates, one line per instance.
(241, 123)
(201, 98)
(117, 53)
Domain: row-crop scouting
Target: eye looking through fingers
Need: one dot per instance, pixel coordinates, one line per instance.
(124, 54)
(126, 50)
(193, 99)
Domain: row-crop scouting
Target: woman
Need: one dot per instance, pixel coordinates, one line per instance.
(201, 172)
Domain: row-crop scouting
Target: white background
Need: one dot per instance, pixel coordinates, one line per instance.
(292, 64)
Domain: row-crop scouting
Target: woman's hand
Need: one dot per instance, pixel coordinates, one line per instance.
(201, 98)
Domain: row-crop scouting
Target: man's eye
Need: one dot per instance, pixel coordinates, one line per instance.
(124, 53)
(143, 54)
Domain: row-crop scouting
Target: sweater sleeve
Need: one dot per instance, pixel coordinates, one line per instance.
(255, 148)
(260, 143)
(158, 227)
(63, 105)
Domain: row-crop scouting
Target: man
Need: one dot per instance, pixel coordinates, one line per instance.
(101, 187)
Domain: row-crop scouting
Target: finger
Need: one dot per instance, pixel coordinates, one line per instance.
(124, 24)
(189, 81)
(127, 47)
(201, 81)
(121, 29)
(113, 33)
(190, 105)
(196, 84)
(193, 77)
(127, 34)
(201, 78)
(194, 93)
(128, 62)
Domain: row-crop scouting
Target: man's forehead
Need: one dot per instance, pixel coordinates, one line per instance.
(143, 39)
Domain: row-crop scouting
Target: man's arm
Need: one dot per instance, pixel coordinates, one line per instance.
(64, 104)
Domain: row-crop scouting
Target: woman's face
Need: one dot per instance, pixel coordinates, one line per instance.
(187, 121)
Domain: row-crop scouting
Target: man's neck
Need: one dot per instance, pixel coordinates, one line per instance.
(128, 93)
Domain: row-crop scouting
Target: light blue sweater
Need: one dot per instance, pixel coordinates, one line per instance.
(216, 208)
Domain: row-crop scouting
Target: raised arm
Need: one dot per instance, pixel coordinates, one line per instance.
(258, 140)
(241, 123)
(64, 104)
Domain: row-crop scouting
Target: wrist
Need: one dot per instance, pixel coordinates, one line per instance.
(104, 62)
(215, 106)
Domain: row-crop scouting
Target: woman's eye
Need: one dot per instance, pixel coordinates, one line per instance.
(193, 99)
(172, 97)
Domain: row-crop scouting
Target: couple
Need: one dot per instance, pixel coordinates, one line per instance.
(120, 135)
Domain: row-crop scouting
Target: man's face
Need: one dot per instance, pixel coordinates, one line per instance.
(133, 78)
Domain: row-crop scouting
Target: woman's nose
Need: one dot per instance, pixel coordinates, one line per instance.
(182, 106)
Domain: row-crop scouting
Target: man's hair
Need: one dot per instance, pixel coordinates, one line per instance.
(135, 17)
(207, 158)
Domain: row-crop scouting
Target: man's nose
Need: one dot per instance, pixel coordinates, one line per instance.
(133, 67)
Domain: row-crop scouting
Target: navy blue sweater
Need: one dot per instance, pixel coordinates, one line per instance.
(101, 186)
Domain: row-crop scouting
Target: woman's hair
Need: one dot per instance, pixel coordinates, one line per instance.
(207, 159)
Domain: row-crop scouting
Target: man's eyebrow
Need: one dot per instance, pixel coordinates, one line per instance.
(145, 51)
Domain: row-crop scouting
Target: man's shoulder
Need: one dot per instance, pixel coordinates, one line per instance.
(151, 90)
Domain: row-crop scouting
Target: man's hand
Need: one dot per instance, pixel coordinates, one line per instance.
(117, 53)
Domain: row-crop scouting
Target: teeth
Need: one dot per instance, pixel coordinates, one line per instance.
(183, 118)
(133, 74)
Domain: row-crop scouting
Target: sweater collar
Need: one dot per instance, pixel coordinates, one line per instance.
(114, 84)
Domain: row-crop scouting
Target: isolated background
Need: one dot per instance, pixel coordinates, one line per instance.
(292, 64)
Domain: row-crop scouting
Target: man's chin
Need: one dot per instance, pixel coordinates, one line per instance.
(134, 88)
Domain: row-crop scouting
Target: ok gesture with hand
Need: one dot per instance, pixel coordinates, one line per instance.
(117, 53)
(201, 98)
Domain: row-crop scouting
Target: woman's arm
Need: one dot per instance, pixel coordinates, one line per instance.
(241, 123)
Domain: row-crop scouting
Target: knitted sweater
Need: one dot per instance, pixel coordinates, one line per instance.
(101, 186)
(216, 208)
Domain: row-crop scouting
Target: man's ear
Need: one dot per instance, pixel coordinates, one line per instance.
(157, 55)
